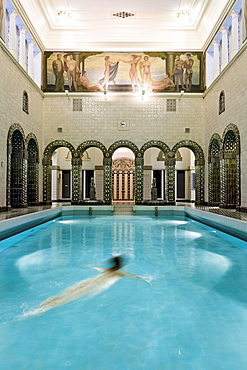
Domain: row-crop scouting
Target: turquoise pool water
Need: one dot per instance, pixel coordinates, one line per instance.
(188, 312)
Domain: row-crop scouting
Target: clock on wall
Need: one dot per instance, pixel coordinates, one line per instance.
(123, 124)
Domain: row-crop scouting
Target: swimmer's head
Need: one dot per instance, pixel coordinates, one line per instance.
(118, 262)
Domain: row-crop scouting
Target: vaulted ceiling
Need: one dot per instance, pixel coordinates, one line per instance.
(123, 25)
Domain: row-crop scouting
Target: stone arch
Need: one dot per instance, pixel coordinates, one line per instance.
(47, 163)
(214, 150)
(138, 170)
(32, 146)
(199, 166)
(147, 174)
(16, 187)
(232, 127)
(33, 137)
(192, 145)
(155, 143)
(77, 168)
(55, 145)
(91, 143)
(230, 167)
(125, 144)
(12, 129)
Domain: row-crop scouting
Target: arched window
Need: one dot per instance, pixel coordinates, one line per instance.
(222, 102)
(25, 106)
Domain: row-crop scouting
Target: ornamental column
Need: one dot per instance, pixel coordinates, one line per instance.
(234, 46)
(107, 163)
(31, 59)
(170, 163)
(139, 178)
(47, 164)
(22, 47)
(200, 173)
(216, 59)
(76, 178)
(12, 33)
(224, 47)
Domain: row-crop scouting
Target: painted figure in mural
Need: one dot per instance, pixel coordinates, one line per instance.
(179, 72)
(163, 84)
(133, 70)
(84, 81)
(72, 68)
(146, 70)
(57, 66)
(188, 64)
(1, 16)
(111, 69)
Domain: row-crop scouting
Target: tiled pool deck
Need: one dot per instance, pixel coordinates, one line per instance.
(220, 211)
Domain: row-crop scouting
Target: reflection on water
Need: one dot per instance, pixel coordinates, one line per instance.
(192, 315)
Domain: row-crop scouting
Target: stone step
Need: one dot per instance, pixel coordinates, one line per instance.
(123, 209)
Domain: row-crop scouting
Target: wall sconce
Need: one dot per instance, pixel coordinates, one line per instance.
(143, 93)
(67, 93)
(181, 94)
(105, 94)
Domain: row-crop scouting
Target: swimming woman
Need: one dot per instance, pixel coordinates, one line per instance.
(91, 286)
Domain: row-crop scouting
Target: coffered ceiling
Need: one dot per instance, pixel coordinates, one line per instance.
(122, 25)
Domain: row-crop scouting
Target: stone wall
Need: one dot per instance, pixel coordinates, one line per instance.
(147, 120)
(233, 82)
(14, 81)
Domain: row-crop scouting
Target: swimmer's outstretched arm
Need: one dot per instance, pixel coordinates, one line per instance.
(135, 276)
(101, 268)
(119, 273)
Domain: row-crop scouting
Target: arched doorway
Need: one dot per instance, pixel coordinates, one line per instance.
(61, 185)
(230, 168)
(48, 169)
(32, 172)
(197, 178)
(154, 174)
(214, 170)
(92, 174)
(185, 175)
(123, 176)
(18, 169)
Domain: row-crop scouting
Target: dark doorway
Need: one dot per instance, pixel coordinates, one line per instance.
(159, 175)
(66, 184)
(180, 184)
(86, 180)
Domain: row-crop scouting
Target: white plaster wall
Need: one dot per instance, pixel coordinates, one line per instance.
(13, 81)
(234, 83)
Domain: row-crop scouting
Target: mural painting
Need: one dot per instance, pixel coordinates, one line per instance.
(122, 71)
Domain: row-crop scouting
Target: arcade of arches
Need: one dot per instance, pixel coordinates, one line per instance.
(123, 172)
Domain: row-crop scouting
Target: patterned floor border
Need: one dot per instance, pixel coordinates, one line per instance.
(220, 211)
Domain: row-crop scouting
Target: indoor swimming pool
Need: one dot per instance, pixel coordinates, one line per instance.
(188, 310)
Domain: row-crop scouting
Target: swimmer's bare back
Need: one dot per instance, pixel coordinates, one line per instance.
(91, 287)
(109, 270)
